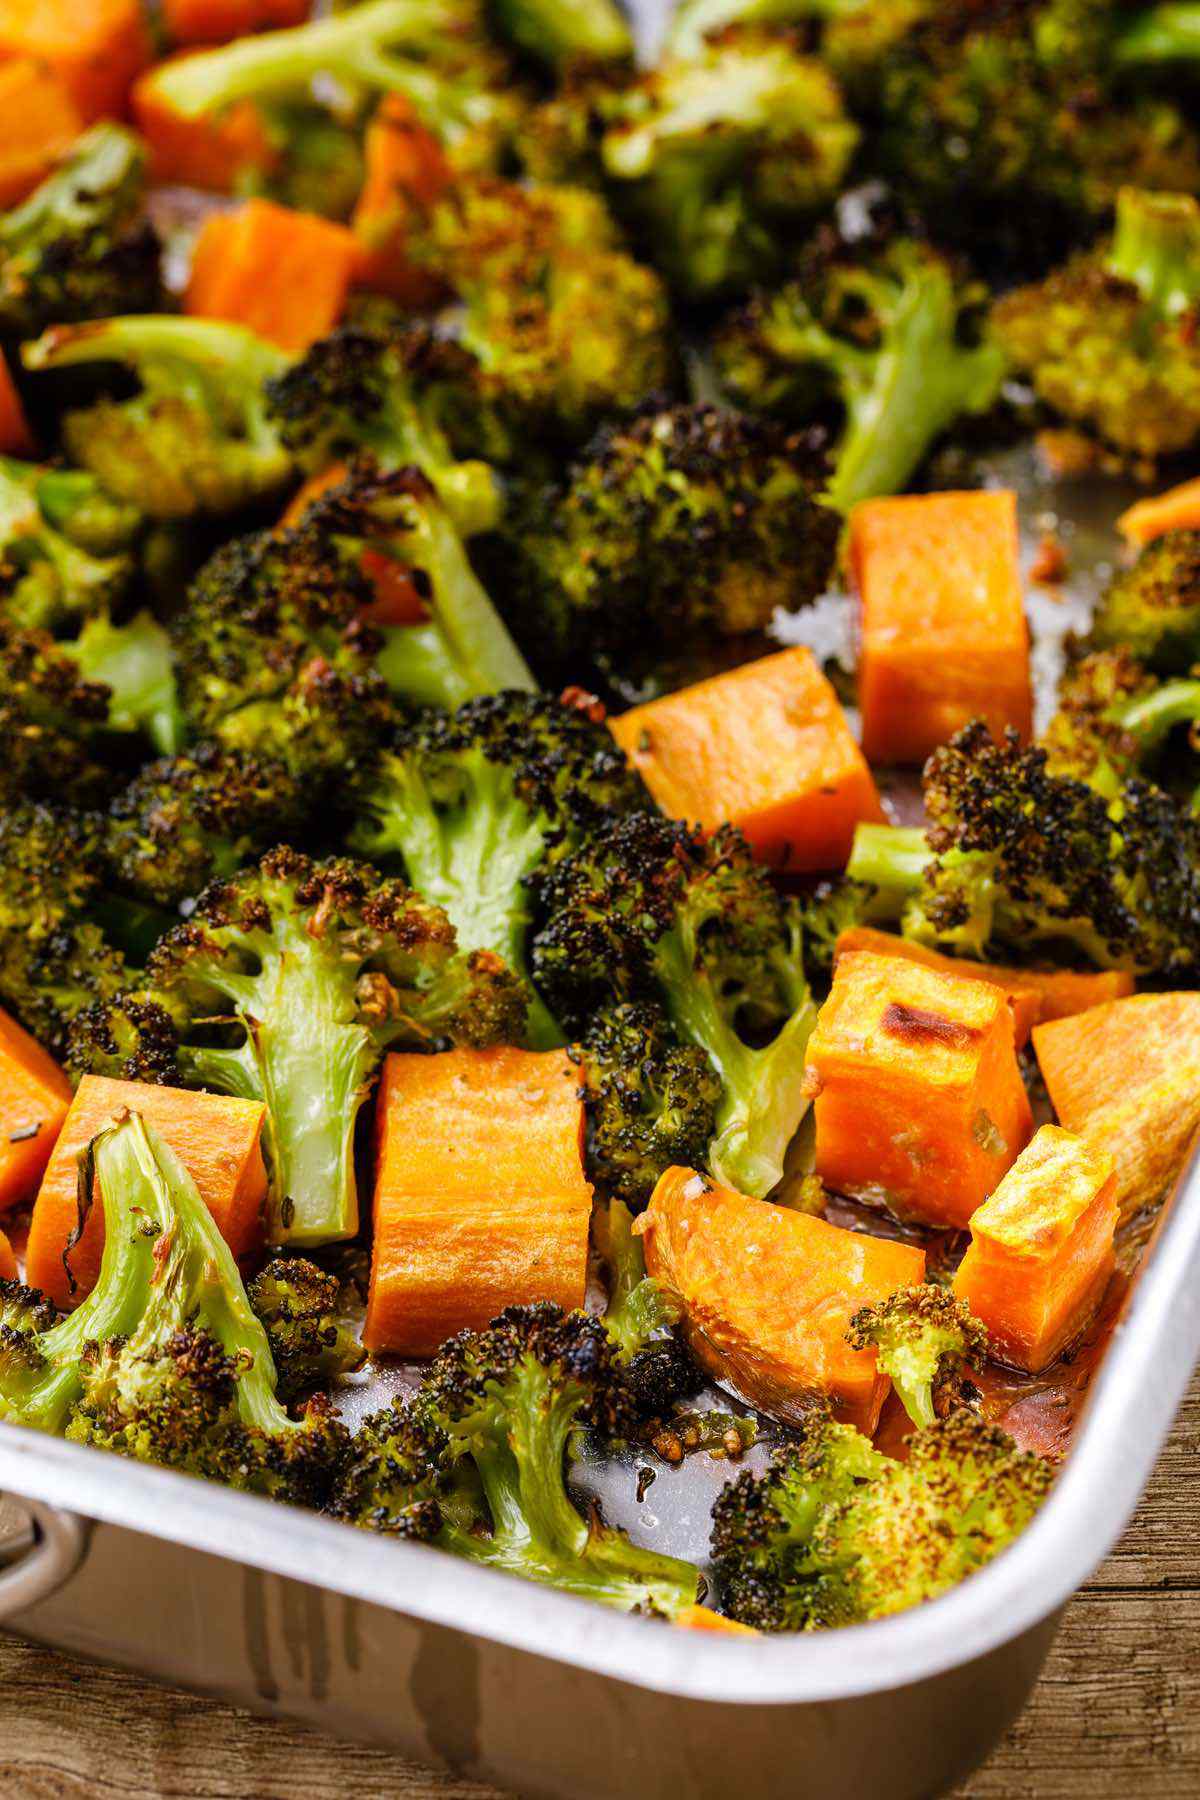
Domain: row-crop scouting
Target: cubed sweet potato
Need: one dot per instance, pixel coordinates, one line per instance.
(34, 1097)
(918, 1098)
(96, 47)
(283, 273)
(39, 120)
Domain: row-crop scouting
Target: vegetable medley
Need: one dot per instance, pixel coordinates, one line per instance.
(430, 863)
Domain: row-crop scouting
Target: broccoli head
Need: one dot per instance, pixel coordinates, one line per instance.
(835, 1534)
(288, 984)
(684, 522)
(359, 390)
(50, 577)
(1114, 718)
(53, 722)
(1109, 339)
(509, 1402)
(718, 157)
(650, 1099)
(652, 910)
(473, 804)
(196, 437)
(297, 1304)
(165, 1361)
(925, 1340)
(1153, 608)
(186, 820)
(1017, 859)
(878, 324)
(393, 1475)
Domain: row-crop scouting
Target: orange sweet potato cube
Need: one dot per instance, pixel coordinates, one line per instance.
(285, 274)
(766, 747)
(215, 1137)
(1041, 1250)
(481, 1201)
(95, 47)
(918, 1098)
(943, 632)
(38, 121)
(769, 1294)
(34, 1097)
(1023, 995)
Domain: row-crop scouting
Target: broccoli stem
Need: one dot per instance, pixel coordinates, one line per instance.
(892, 859)
(1159, 34)
(133, 660)
(1156, 246)
(465, 650)
(1153, 717)
(473, 862)
(556, 30)
(762, 1102)
(224, 363)
(638, 1306)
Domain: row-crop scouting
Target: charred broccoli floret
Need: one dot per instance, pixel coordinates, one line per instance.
(288, 985)
(434, 53)
(1114, 718)
(393, 1475)
(53, 722)
(685, 522)
(926, 1340)
(50, 576)
(654, 910)
(656, 1368)
(165, 1360)
(357, 390)
(78, 247)
(1109, 340)
(716, 158)
(881, 326)
(1017, 858)
(650, 1100)
(834, 1533)
(196, 438)
(189, 819)
(509, 1401)
(1153, 608)
(474, 804)
(297, 1305)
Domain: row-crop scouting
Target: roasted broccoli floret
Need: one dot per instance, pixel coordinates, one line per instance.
(189, 819)
(834, 1533)
(1153, 608)
(474, 804)
(509, 1401)
(692, 22)
(433, 52)
(688, 521)
(357, 390)
(53, 723)
(653, 910)
(717, 157)
(1114, 718)
(288, 984)
(78, 247)
(132, 661)
(650, 1100)
(926, 1340)
(566, 328)
(297, 1304)
(559, 31)
(881, 326)
(393, 1475)
(1017, 859)
(1109, 340)
(831, 908)
(165, 1360)
(54, 958)
(1006, 126)
(50, 578)
(196, 438)
(655, 1366)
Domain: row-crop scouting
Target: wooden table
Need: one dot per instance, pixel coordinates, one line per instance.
(1117, 1712)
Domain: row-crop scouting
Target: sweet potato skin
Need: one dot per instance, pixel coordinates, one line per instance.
(215, 1137)
(480, 1197)
(918, 1098)
(1041, 1252)
(770, 1292)
(1126, 1077)
(765, 747)
(34, 1097)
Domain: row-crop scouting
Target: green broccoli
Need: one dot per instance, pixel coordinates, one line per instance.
(718, 157)
(133, 661)
(655, 910)
(1108, 340)
(78, 247)
(288, 984)
(165, 1361)
(297, 1305)
(655, 1367)
(1114, 720)
(558, 32)
(1153, 608)
(50, 578)
(834, 1533)
(393, 1475)
(926, 1340)
(196, 438)
(880, 324)
(53, 723)
(474, 804)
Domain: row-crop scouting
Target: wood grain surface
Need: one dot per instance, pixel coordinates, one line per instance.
(1117, 1711)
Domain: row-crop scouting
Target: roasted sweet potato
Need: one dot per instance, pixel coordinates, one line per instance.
(285, 274)
(34, 1097)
